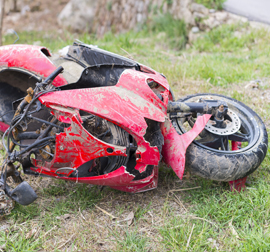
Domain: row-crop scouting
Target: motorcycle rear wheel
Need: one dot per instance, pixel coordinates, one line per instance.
(214, 159)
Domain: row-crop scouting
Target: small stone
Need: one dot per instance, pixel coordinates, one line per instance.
(212, 11)
(199, 8)
(78, 17)
(195, 29)
(25, 9)
(198, 15)
(211, 22)
(221, 16)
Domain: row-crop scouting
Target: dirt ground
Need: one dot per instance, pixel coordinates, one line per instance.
(35, 15)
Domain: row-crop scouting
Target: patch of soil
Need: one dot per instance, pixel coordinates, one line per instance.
(35, 15)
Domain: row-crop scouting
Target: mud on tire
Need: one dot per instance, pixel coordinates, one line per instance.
(227, 165)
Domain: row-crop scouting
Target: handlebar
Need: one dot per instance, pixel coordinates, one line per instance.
(53, 75)
(204, 106)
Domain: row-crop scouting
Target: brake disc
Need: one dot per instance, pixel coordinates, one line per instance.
(232, 125)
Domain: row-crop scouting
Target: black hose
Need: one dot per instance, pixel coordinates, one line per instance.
(28, 135)
(34, 144)
(44, 121)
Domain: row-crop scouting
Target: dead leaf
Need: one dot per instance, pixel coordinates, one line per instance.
(66, 216)
(63, 217)
(233, 230)
(130, 218)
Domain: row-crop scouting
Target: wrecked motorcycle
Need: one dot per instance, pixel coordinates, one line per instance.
(95, 117)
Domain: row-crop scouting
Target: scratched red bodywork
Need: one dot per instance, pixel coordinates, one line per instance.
(175, 145)
(31, 58)
(127, 104)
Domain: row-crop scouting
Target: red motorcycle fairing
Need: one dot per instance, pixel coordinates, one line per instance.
(175, 145)
(122, 105)
(31, 58)
(128, 108)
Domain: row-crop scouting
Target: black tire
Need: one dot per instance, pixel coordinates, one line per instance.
(226, 165)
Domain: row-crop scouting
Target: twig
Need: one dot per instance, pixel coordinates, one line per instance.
(181, 189)
(198, 218)
(48, 232)
(151, 216)
(176, 226)
(169, 54)
(129, 55)
(26, 222)
(178, 201)
(190, 236)
(81, 213)
(66, 242)
(104, 211)
(184, 189)
(37, 233)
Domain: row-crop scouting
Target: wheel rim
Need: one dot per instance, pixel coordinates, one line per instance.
(248, 133)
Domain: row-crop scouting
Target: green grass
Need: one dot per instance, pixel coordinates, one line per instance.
(175, 30)
(210, 218)
(235, 221)
(131, 241)
(19, 242)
